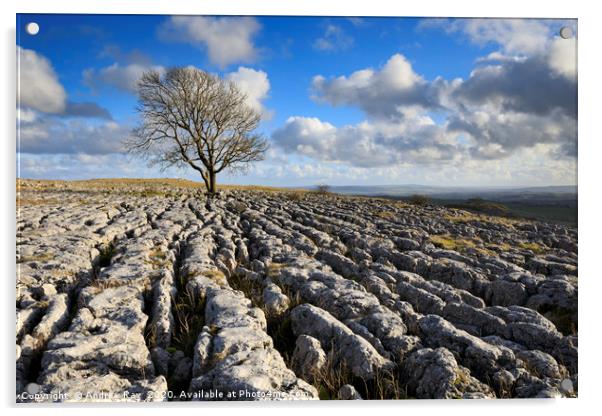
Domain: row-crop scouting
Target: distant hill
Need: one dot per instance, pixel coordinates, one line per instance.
(491, 193)
(546, 203)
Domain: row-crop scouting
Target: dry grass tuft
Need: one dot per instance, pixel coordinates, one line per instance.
(333, 375)
(158, 259)
(37, 257)
(385, 215)
(419, 200)
(459, 244)
(503, 246)
(253, 289)
(296, 195)
(534, 247)
(217, 276)
(464, 217)
(30, 202)
(273, 270)
(189, 318)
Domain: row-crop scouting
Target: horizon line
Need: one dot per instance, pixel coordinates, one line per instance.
(317, 183)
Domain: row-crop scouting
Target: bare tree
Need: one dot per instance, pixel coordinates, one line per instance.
(323, 189)
(190, 117)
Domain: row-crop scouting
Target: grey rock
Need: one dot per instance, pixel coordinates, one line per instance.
(308, 357)
(348, 392)
(348, 349)
(541, 364)
(421, 300)
(365, 267)
(274, 300)
(259, 374)
(55, 319)
(482, 358)
(234, 353)
(435, 374)
(161, 360)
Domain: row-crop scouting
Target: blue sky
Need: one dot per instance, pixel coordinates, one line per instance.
(344, 101)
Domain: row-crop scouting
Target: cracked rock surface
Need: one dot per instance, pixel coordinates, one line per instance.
(124, 294)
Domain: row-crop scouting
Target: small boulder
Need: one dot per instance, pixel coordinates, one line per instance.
(435, 374)
(348, 392)
(308, 357)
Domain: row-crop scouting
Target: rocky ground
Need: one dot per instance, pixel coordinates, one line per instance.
(131, 294)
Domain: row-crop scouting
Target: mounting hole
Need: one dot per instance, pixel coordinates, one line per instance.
(32, 28)
(566, 32)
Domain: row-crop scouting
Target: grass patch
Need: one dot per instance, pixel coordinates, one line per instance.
(84, 202)
(419, 200)
(534, 247)
(36, 257)
(30, 202)
(253, 289)
(465, 217)
(296, 195)
(397, 204)
(280, 328)
(158, 259)
(499, 246)
(214, 274)
(385, 215)
(189, 318)
(217, 276)
(273, 270)
(561, 213)
(42, 304)
(461, 245)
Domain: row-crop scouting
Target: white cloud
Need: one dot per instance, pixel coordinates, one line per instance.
(334, 39)
(528, 85)
(255, 84)
(227, 39)
(498, 56)
(123, 77)
(385, 93)
(26, 115)
(563, 57)
(86, 166)
(526, 167)
(39, 90)
(417, 140)
(497, 134)
(523, 36)
(517, 39)
(51, 135)
(507, 103)
(38, 84)
(514, 36)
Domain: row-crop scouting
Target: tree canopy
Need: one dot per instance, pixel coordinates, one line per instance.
(190, 117)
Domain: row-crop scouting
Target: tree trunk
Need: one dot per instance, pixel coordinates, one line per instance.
(212, 184)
